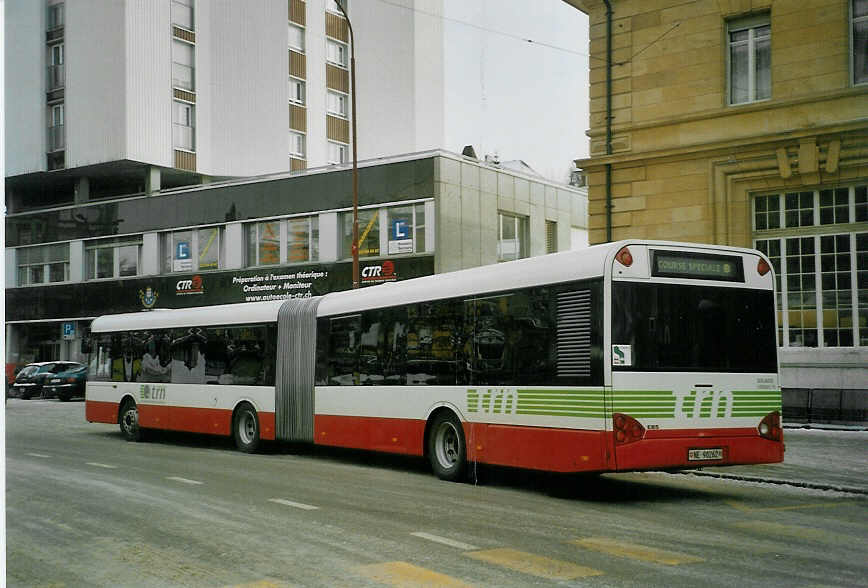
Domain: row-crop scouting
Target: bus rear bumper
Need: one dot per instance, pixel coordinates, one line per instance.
(680, 452)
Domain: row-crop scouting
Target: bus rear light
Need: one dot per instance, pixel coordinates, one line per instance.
(624, 257)
(763, 267)
(627, 429)
(770, 427)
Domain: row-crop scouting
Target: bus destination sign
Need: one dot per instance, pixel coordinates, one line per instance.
(673, 264)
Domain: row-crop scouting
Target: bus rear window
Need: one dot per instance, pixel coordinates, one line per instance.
(682, 328)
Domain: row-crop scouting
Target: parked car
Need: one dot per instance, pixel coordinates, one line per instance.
(31, 379)
(66, 384)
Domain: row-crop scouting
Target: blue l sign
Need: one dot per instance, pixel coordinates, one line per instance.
(182, 251)
(400, 229)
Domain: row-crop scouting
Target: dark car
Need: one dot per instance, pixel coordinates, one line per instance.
(31, 379)
(66, 384)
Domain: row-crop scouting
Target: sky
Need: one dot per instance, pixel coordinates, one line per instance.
(500, 73)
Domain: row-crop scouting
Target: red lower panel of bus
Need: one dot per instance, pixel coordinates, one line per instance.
(559, 450)
(191, 420)
(738, 446)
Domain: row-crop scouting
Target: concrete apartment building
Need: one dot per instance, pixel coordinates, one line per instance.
(168, 153)
(745, 122)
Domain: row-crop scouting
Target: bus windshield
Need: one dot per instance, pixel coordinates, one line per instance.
(684, 328)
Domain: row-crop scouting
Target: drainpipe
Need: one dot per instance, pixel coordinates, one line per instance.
(608, 120)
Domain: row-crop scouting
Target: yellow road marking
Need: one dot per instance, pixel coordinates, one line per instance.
(633, 551)
(783, 530)
(745, 508)
(259, 584)
(535, 565)
(401, 573)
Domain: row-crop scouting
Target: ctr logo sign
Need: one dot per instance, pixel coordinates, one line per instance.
(376, 274)
(191, 286)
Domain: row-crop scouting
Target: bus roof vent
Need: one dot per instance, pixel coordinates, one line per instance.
(574, 334)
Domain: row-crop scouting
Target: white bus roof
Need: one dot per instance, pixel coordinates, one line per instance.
(524, 273)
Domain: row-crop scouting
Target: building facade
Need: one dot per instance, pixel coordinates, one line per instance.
(745, 122)
(270, 237)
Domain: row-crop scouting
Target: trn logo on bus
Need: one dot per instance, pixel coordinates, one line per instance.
(151, 392)
(703, 404)
(492, 401)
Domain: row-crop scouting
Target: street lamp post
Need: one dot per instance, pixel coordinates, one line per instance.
(340, 4)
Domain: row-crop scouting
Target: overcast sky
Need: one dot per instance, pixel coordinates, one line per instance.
(508, 73)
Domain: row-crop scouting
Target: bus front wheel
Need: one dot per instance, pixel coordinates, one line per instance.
(447, 450)
(246, 429)
(129, 421)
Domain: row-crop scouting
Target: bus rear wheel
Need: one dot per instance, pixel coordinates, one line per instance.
(246, 429)
(447, 450)
(129, 421)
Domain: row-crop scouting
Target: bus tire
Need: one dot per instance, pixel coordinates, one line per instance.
(245, 427)
(129, 421)
(447, 448)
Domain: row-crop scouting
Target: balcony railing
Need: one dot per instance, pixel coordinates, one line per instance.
(56, 77)
(56, 138)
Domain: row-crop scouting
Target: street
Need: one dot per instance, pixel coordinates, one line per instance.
(86, 508)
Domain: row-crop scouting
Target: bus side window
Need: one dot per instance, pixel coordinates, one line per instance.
(344, 340)
(156, 357)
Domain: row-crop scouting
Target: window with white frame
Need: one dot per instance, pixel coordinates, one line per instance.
(296, 144)
(42, 264)
(859, 40)
(749, 59)
(369, 233)
(182, 13)
(183, 125)
(332, 6)
(56, 135)
(296, 91)
(56, 68)
(296, 38)
(406, 229)
(264, 241)
(512, 237)
(183, 65)
(337, 152)
(55, 16)
(337, 104)
(192, 250)
(336, 52)
(818, 243)
(112, 258)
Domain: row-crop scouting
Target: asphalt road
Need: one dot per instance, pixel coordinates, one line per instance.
(85, 508)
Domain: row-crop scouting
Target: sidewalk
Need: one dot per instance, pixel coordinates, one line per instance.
(828, 458)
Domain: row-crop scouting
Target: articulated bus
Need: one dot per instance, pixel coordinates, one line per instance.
(627, 356)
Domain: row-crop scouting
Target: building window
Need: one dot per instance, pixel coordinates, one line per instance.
(43, 264)
(337, 153)
(749, 59)
(406, 227)
(337, 104)
(296, 144)
(332, 6)
(296, 38)
(56, 135)
(512, 237)
(182, 14)
(369, 233)
(192, 250)
(551, 237)
(56, 68)
(859, 17)
(263, 243)
(55, 16)
(336, 53)
(296, 91)
(821, 264)
(183, 65)
(184, 125)
(109, 258)
(302, 239)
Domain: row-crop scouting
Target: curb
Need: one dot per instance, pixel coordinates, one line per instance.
(795, 483)
(825, 427)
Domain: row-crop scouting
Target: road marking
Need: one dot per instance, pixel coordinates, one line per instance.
(184, 480)
(535, 565)
(401, 573)
(783, 530)
(633, 551)
(42, 455)
(745, 508)
(101, 465)
(445, 541)
(259, 584)
(293, 504)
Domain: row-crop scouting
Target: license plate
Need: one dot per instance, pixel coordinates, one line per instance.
(56, 381)
(704, 454)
